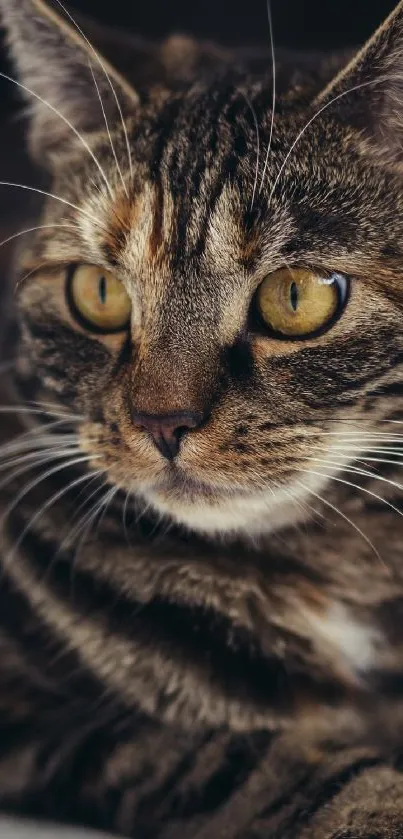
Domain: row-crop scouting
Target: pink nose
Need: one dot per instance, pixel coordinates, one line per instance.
(167, 430)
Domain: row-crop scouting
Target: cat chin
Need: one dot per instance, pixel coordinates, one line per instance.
(246, 516)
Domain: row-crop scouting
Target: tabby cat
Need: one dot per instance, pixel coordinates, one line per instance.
(201, 593)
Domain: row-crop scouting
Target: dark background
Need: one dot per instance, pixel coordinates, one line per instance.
(309, 23)
(306, 24)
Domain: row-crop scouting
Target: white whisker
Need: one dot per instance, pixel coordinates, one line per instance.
(75, 531)
(87, 521)
(253, 111)
(354, 470)
(56, 497)
(392, 446)
(324, 107)
(46, 458)
(33, 229)
(29, 274)
(359, 453)
(56, 405)
(78, 209)
(354, 486)
(26, 409)
(273, 60)
(33, 484)
(111, 495)
(343, 516)
(108, 131)
(67, 122)
(124, 516)
(39, 455)
(108, 78)
(32, 437)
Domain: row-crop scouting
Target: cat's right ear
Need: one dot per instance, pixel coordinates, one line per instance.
(368, 93)
(63, 73)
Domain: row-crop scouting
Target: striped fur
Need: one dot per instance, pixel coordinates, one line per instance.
(212, 649)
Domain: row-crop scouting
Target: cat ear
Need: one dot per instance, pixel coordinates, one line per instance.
(368, 93)
(61, 68)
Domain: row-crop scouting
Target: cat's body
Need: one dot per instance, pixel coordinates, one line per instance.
(210, 643)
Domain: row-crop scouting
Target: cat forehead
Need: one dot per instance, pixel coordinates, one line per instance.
(155, 235)
(159, 231)
(215, 192)
(202, 193)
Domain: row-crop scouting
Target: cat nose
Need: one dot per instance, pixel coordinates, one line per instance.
(168, 430)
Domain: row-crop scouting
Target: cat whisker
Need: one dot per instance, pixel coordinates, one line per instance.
(27, 409)
(302, 503)
(33, 229)
(343, 516)
(78, 209)
(358, 436)
(39, 462)
(109, 80)
(84, 528)
(33, 439)
(54, 498)
(70, 125)
(353, 470)
(354, 436)
(108, 501)
(87, 500)
(255, 119)
(318, 113)
(364, 418)
(87, 516)
(9, 455)
(47, 474)
(108, 131)
(273, 61)
(35, 443)
(354, 486)
(368, 445)
(352, 452)
(38, 453)
(124, 516)
(29, 274)
(85, 525)
(38, 422)
(142, 511)
(54, 409)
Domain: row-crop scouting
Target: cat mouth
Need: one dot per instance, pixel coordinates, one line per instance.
(178, 483)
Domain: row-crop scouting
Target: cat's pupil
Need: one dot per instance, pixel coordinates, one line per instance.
(294, 296)
(102, 290)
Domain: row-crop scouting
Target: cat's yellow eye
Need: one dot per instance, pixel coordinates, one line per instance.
(301, 302)
(99, 299)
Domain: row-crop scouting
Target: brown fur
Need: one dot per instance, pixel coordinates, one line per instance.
(255, 582)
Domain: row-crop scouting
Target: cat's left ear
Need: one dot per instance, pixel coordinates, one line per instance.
(368, 93)
(63, 71)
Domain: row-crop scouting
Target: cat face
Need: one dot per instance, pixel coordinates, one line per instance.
(216, 288)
